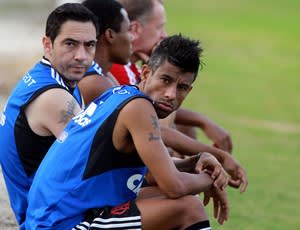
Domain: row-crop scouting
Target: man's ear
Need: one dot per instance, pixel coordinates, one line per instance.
(47, 44)
(135, 29)
(146, 72)
(109, 35)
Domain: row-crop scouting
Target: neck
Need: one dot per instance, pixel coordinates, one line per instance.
(70, 84)
(103, 61)
(102, 55)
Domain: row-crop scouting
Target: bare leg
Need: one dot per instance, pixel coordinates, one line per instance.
(159, 212)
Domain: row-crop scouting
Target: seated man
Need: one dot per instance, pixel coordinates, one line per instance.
(108, 148)
(113, 46)
(45, 99)
(147, 20)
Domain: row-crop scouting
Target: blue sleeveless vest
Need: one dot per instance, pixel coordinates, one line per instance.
(83, 170)
(16, 137)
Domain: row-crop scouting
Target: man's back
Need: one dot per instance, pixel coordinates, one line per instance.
(92, 171)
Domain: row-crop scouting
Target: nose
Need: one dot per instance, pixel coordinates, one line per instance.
(163, 34)
(170, 92)
(81, 53)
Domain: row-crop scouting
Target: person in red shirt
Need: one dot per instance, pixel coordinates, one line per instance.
(126, 74)
(147, 19)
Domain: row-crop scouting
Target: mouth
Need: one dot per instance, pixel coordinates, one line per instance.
(164, 106)
(78, 69)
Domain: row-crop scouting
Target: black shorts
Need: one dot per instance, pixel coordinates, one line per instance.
(124, 216)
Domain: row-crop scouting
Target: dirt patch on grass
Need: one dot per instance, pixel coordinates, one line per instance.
(7, 219)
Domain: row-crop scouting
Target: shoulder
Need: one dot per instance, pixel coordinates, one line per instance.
(93, 86)
(54, 99)
(137, 108)
(50, 111)
(94, 81)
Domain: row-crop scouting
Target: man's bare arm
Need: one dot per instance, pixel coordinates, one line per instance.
(68, 113)
(147, 140)
(50, 112)
(219, 136)
(189, 146)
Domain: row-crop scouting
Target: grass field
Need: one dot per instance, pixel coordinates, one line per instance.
(249, 85)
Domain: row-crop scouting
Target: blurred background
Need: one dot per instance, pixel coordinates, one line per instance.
(248, 85)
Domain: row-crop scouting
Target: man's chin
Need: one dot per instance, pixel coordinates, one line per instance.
(162, 114)
(74, 79)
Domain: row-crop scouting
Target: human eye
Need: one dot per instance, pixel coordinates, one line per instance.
(183, 87)
(91, 44)
(165, 79)
(69, 43)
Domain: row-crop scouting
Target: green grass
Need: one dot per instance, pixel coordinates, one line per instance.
(249, 85)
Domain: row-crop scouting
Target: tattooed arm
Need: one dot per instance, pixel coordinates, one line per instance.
(50, 112)
(139, 119)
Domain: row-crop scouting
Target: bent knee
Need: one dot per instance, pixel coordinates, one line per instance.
(193, 207)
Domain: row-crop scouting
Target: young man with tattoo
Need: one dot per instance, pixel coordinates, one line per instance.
(91, 177)
(45, 99)
(113, 45)
(147, 20)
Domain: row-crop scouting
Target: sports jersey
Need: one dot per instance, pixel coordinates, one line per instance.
(21, 149)
(126, 74)
(83, 169)
(94, 69)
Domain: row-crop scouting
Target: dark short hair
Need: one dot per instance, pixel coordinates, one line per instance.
(108, 13)
(178, 50)
(139, 10)
(66, 12)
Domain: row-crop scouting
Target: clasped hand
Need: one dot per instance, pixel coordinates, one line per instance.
(209, 164)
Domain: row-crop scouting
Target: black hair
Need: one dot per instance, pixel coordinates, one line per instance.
(180, 51)
(65, 12)
(108, 13)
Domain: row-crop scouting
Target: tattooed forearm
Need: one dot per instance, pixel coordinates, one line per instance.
(68, 114)
(152, 137)
(154, 122)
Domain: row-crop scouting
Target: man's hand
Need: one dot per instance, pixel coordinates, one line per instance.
(218, 135)
(208, 163)
(238, 176)
(220, 203)
(142, 56)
